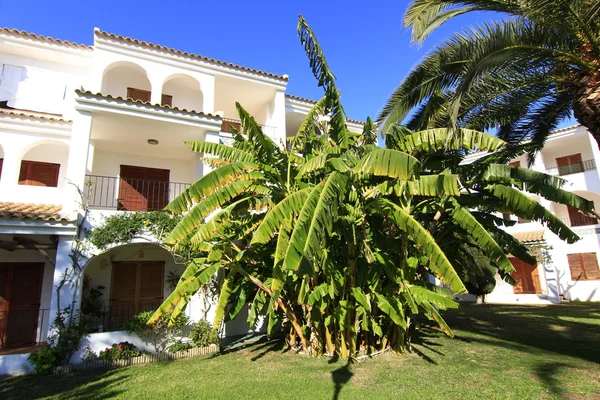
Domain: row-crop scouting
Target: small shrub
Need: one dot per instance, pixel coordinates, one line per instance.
(159, 333)
(45, 360)
(120, 351)
(179, 346)
(202, 334)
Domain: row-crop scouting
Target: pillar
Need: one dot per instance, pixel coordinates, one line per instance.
(201, 167)
(278, 118)
(207, 86)
(78, 159)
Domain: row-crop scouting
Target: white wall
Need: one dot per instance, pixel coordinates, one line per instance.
(108, 164)
(186, 93)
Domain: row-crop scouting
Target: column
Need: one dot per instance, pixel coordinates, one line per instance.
(156, 84)
(11, 168)
(201, 167)
(77, 161)
(207, 86)
(278, 118)
(63, 271)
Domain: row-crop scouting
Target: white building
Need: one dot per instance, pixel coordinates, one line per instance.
(109, 119)
(565, 271)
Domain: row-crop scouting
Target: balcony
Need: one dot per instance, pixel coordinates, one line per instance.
(127, 194)
(575, 168)
(228, 125)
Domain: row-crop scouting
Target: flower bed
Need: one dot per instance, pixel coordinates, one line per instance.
(140, 359)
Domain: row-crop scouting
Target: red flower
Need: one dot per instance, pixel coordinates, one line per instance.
(120, 346)
(106, 350)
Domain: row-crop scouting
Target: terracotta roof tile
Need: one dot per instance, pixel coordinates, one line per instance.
(17, 32)
(186, 54)
(129, 100)
(304, 99)
(355, 121)
(33, 114)
(529, 237)
(44, 212)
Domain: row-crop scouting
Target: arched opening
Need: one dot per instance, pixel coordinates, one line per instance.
(126, 280)
(182, 91)
(574, 217)
(126, 79)
(44, 164)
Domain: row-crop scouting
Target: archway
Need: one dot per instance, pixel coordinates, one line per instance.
(182, 91)
(44, 163)
(126, 79)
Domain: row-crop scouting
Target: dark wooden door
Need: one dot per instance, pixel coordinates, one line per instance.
(143, 189)
(136, 286)
(570, 164)
(526, 277)
(20, 292)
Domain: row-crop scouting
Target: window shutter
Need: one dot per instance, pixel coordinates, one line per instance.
(576, 267)
(226, 126)
(138, 94)
(166, 100)
(578, 219)
(570, 164)
(123, 282)
(151, 285)
(590, 265)
(515, 164)
(35, 173)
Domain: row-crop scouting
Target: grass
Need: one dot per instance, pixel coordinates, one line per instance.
(499, 352)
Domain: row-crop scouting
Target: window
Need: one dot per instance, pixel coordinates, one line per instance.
(226, 126)
(138, 94)
(143, 189)
(571, 164)
(166, 100)
(578, 219)
(35, 173)
(583, 266)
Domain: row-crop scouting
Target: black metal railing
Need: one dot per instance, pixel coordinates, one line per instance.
(24, 327)
(579, 221)
(114, 317)
(130, 194)
(574, 168)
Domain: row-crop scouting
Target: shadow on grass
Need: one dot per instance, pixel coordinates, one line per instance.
(556, 329)
(83, 385)
(547, 373)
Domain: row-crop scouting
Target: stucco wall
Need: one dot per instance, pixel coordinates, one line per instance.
(108, 164)
(186, 93)
(116, 81)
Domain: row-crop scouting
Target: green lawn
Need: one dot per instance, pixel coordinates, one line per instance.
(499, 352)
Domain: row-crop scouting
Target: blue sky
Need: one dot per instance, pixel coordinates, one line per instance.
(364, 41)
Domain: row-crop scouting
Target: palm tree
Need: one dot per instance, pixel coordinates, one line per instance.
(522, 75)
(336, 238)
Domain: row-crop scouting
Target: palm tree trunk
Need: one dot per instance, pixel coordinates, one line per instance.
(586, 104)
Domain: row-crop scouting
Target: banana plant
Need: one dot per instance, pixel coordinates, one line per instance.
(336, 239)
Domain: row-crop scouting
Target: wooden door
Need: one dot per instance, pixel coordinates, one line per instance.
(136, 286)
(526, 277)
(570, 164)
(576, 218)
(143, 189)
(20, 292)
(122, 294)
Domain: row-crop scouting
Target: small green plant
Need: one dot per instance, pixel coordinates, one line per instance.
(120, 351)
(94, 302)
(179, 346)
(172, 280)
(160, 333)
(202, 334)
(121, 228)
(44, 361)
